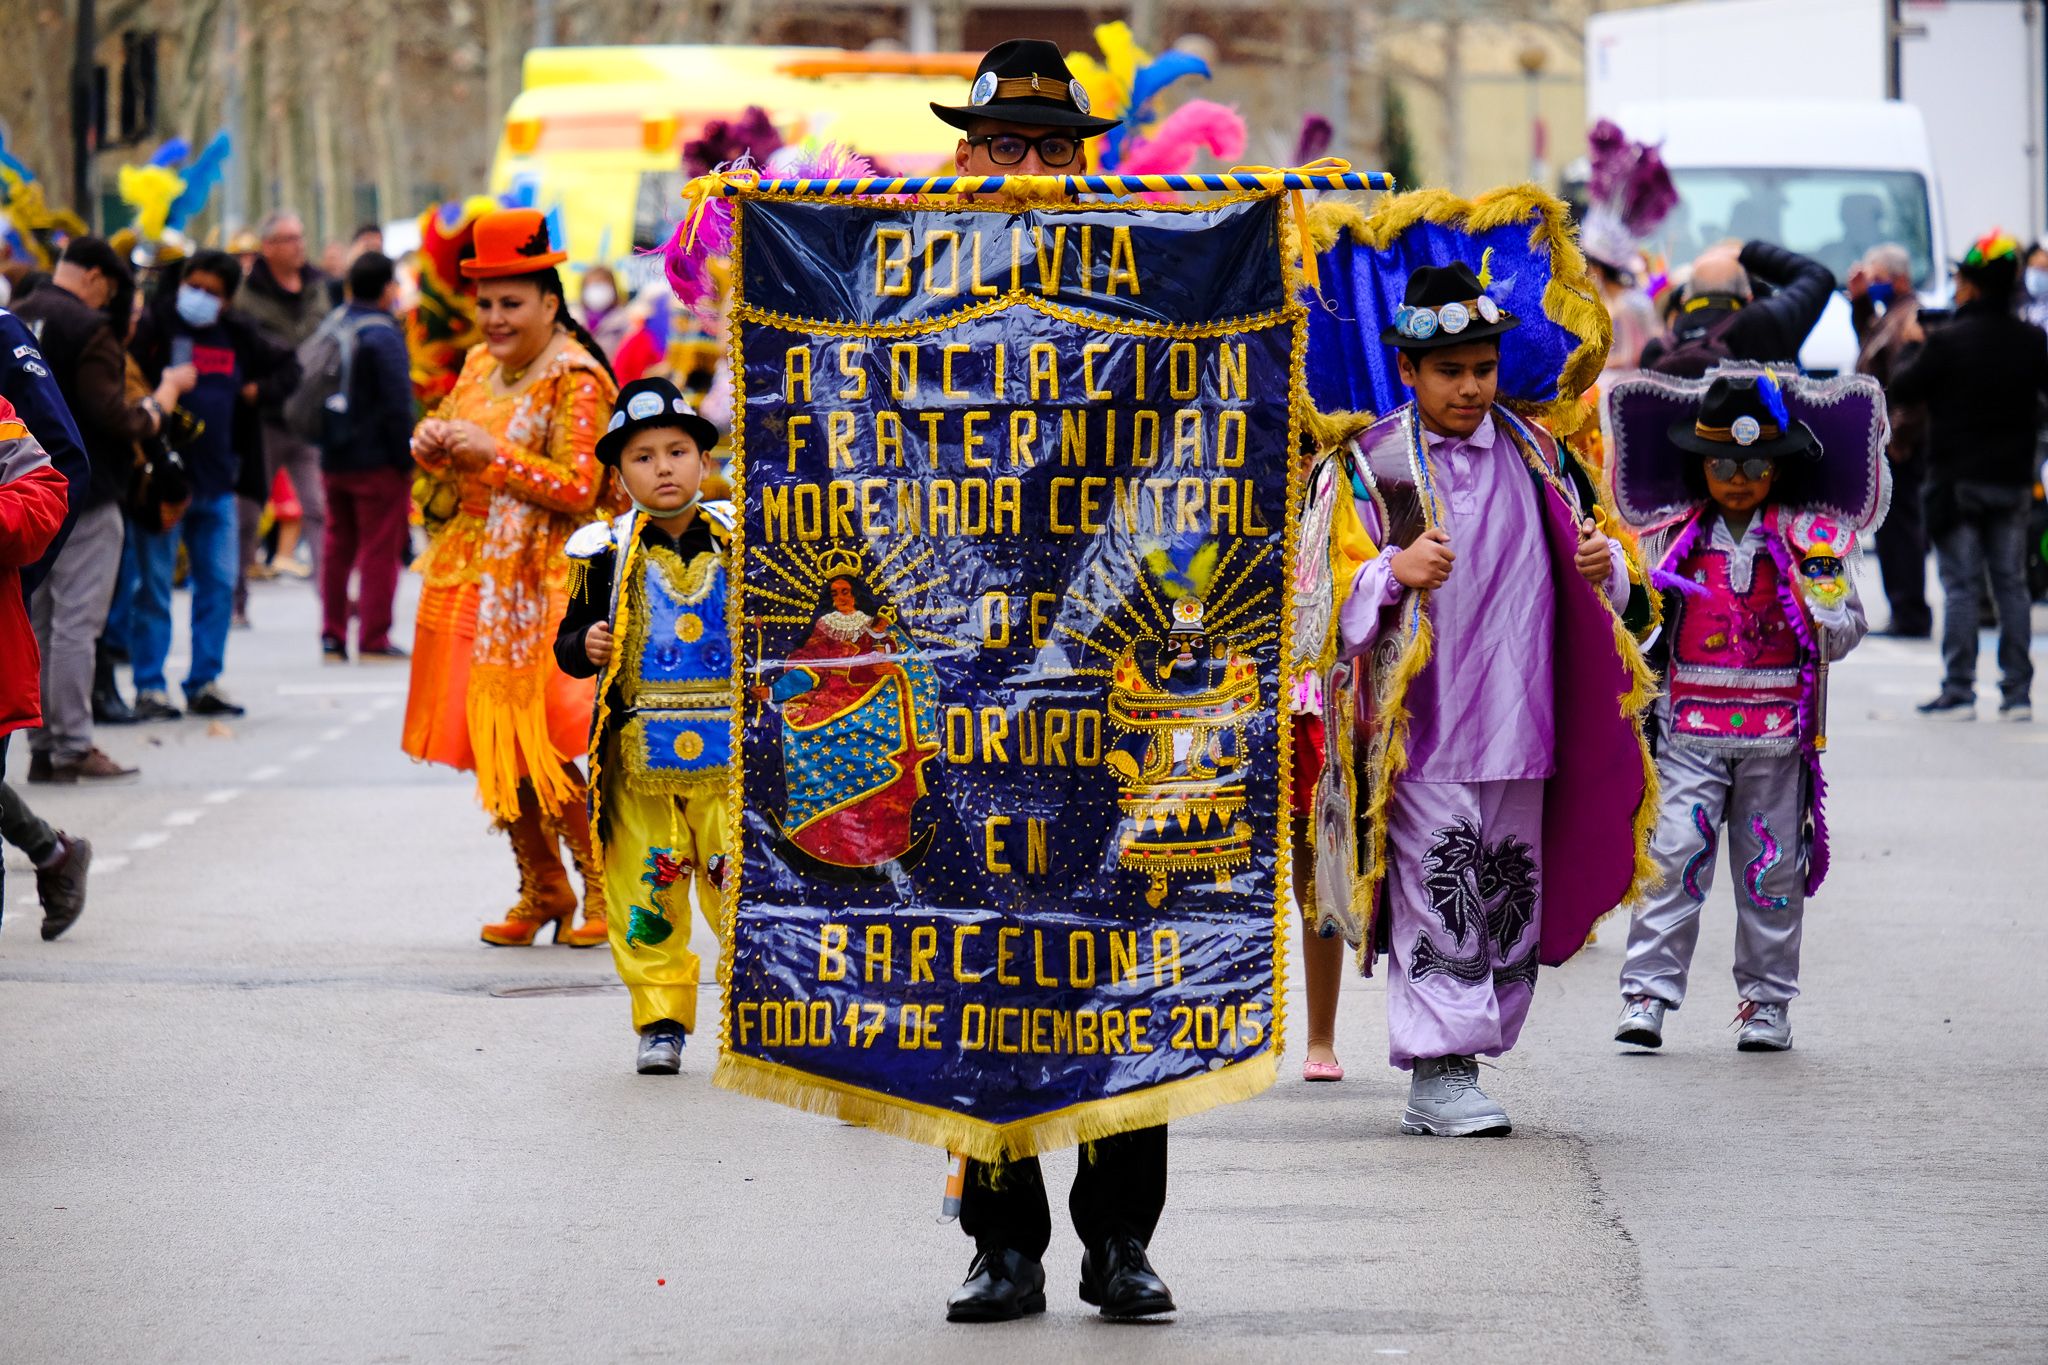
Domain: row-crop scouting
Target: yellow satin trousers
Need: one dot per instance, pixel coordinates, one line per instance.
(662, 850)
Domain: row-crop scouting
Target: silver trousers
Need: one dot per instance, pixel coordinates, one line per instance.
(1761, 801)
(69, 611)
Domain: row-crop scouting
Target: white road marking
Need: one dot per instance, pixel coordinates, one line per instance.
(329, 736)
(181, 819)
(111, 862)
(362, 718)
(343, 689)
(303, 752)
(265, 773)
(222, 797)
(385, 703)
(149, 839)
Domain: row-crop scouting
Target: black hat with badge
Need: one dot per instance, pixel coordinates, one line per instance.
(1025, 81)
(647, 403)
(1445, 305)
(1743, 416)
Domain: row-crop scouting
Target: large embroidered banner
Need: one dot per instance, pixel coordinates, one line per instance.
(1016, 531)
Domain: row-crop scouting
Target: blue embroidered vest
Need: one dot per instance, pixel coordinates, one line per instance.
(675, 674)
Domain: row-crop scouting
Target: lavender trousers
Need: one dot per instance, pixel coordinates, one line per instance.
(1465, 876)
(1761, 800)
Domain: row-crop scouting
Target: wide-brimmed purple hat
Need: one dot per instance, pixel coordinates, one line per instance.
(1647, 468)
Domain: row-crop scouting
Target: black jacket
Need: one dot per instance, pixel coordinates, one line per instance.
(1981, 376)
(92, 374)
(284, 317)
(1769, 328)
(380, 402)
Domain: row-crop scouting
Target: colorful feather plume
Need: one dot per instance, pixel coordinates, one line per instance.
(1994, 245)
(687, 256)
(724, 142)
(1774, 399)
(205, 172)
(1173, 143)
(1125, 85)
(150, 190)
(1629, 194)
(1629, 178)
(1315, 139)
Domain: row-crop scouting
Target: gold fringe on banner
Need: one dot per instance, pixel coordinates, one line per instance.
(1088, 1121)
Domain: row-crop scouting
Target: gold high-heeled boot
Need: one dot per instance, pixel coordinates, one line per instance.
(544, 891)
(572, 824)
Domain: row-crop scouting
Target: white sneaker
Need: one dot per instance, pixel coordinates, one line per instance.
(1766, 1026)
(2016, 712)
(1642, 1021)
(660, 1052)
(1444, 1100)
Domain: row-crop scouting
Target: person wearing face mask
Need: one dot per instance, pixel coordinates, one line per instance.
(2034, 307)
(189, 323)
(602, 315)
(1884, 308)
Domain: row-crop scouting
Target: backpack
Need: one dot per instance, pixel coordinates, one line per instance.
(1693, 357)
(317, 410)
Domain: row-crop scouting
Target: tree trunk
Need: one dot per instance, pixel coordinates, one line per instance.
(387, 129)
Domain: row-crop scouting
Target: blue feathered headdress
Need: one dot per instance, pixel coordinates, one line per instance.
(1520, 242)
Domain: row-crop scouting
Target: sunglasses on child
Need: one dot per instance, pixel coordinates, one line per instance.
(1007, 149)
(1755, 469)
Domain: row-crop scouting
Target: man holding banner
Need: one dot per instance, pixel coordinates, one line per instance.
(1016, 522)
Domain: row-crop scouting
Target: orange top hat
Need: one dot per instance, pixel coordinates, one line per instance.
(511, 242)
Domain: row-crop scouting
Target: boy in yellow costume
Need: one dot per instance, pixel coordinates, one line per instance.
(647, 616)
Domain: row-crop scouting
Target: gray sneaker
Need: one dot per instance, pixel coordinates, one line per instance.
(1766, 1026)
(1642, 1021)
(1444, 1100)
(661, 1052)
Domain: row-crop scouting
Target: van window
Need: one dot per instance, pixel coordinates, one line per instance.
(657, 209)
(1832, 216)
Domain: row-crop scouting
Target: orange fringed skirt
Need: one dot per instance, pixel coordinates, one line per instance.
(437, 708)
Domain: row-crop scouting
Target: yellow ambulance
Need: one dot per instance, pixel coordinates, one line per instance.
(595, 135)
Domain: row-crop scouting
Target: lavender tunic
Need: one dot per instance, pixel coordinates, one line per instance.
(1484, 710)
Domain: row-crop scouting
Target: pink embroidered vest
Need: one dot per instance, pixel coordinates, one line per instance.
(1736, 680)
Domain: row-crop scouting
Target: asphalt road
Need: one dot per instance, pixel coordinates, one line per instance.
(271, 1100)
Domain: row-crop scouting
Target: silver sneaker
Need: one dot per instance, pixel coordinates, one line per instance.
(661, 1053)
(1766, 1026)
(1642, 1021)
(1444, 1100)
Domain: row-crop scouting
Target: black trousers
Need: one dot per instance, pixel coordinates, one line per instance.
(1902, 551)
(1119, 1191)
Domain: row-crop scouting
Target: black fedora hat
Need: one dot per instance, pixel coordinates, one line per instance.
(1025, 81)
(646, 403)
(1743, 416)
(1445, 306)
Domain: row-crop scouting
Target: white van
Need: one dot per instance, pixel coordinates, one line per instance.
(1825, 178)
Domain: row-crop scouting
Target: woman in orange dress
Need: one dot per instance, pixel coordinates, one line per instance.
(511, 456)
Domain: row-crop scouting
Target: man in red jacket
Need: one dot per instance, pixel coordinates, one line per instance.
(33, 497)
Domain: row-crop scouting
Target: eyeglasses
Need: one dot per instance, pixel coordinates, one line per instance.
(1007, 149)
(1755, 469)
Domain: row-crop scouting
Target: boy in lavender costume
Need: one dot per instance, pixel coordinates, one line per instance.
(1496, 664)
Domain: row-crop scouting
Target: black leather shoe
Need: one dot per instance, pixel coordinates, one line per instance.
(1118, 1280)
(1001, 1286)
(61, 887)
(109, 708)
